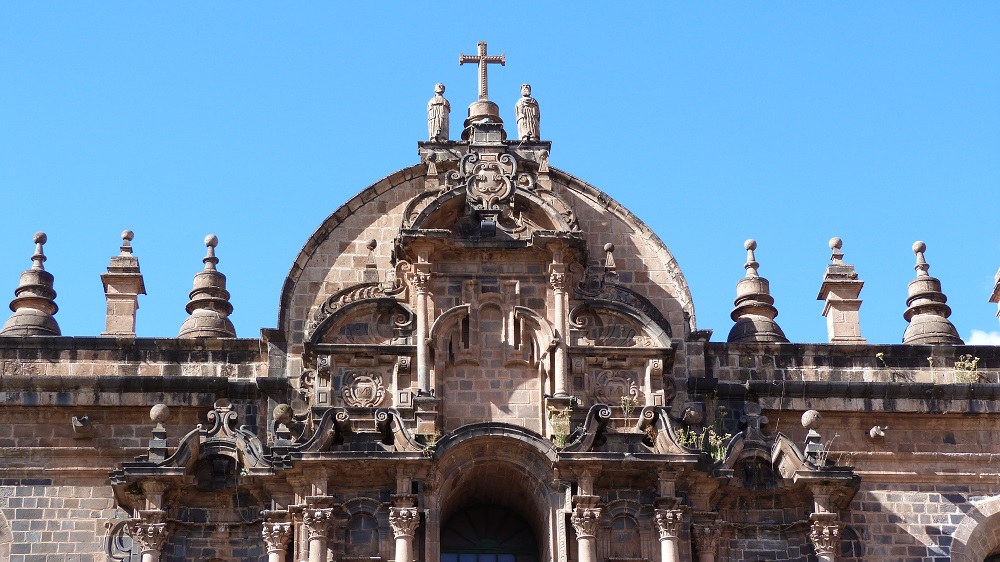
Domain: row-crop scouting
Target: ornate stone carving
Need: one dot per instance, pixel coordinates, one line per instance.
(317, 521)
(706, 538)
(363, 389)
(404, 521)
(421, 281)
(669, 523)
(825, 536)
(276, 536)
(557, 281)
(610, 386)
(528, 115)
(585, 520)
(355, 293)
(149, 530)
(488, 179)
(438, 110)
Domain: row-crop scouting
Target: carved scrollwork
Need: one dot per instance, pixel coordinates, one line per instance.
(610, 386)
(489, 182)
(363, 389)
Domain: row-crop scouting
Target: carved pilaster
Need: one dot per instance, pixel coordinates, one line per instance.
(276, 536)
(824, 534)
(706, 539)
(317, 522)
(404, 521)
(585, 521)
(669, 523)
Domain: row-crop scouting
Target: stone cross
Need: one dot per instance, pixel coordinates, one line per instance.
(482, 59)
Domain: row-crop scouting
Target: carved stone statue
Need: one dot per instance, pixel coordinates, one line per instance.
(438, 110)
(528, 115)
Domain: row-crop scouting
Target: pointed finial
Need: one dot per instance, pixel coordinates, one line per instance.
(751, 266)
(754, 312)
(609, 259)
(211, 241)
(922, 266)
(926, 310)
(209, 307)
(34, 299)
(126, 247)
(835, 245)
(38, 260)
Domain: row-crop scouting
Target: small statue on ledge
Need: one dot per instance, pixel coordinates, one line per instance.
(438, 110)
(528, 115)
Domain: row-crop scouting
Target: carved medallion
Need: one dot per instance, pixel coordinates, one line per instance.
(363, 390)
(610, 386)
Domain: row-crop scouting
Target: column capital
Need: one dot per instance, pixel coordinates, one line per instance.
(669, 523)
(824, 533)
(557, 280)
(317, 521)
(149, 530)
(706, 538)
(276, 536)
(404, 521)
(585, 520)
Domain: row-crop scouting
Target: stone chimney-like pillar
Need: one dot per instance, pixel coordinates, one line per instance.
(122, 287)
(841, 288)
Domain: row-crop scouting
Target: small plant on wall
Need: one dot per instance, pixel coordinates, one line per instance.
(559, 419)
(967, 369)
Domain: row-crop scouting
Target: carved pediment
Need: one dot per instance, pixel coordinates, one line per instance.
(362, 314)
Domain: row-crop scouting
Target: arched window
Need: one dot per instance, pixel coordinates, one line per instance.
(362, 536)
(625, 538)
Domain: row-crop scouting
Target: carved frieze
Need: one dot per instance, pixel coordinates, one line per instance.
(363, 389)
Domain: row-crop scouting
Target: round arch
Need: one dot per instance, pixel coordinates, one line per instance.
(496, 465)
(978, 534)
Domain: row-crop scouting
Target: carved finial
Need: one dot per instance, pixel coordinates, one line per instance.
(34, 299)
(209, 307)
(926, 310)
(922, 266)
(159, 413)
(211, 242)
(38, 260)
(126, 247)
(835, 245)
(482, 110)
(751, 266)
(609, 257)
(755, 312)
(370, 272)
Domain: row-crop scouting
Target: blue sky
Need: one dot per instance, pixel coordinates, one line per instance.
(788, 122)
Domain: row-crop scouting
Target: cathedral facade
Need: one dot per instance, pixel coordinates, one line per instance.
(482, 358)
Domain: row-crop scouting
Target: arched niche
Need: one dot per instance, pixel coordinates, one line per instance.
(977, 536)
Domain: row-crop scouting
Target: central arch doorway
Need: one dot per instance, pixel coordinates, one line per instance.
(487, 533)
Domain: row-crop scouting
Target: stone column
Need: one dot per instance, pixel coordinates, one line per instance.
(276, 538)
(557, 281)
(149, 531)
(585, 518)
(706, 541)
(824, 534)
(404, 522)
(421, 283)
(669, 523)
(317, 524)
